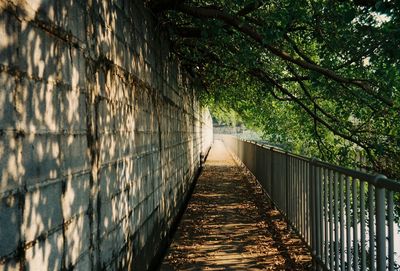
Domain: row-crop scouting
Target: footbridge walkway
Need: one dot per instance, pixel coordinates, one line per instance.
(258, 208)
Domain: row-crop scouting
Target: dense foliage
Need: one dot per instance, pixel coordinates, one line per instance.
(321, 77)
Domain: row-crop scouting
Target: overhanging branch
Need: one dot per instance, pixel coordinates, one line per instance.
(243, 27)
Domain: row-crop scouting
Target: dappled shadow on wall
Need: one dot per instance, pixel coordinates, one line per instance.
(44, 155)
(80, 157)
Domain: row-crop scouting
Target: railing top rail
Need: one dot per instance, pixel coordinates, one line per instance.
(374, 179)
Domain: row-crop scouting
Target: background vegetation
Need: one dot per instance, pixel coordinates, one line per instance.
(321, 77)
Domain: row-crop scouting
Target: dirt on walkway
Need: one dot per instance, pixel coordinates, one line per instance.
(230, 224)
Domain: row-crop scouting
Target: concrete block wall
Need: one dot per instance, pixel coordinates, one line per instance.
(101, 135)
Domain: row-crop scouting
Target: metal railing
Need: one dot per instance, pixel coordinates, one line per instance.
(345, 216)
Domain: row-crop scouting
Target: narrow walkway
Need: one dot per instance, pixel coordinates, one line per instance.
(230, 225)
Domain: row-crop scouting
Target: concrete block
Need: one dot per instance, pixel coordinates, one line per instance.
(77, 238)
(75, 197)
(150, 204)
(45, 254)
(75, 20)
(103, 39)
(121, 235)
(9, 29)
(138, 216)
(72, 67)
(149, 187)
(130, 170)
(105, 117)
(127, 60)
(126, 143)
(113, 211)
(73, 111)
(108, 247)
(38, 55)
(65, 66)
(10, 221)
(40, 111)
(42, 211)
(120, 206)
(122, 115)
(78, 65)
(124, 171)
(10, 169)
(107, 219)
(142, 189)
(121, 22)
(8, 116)
(158, 197)
(111, 244)
(108, 181)
(142, 236)
(134, 194)
(40, 158)
(75, 153)
(129, 119)
(101, 83)
(118, 50)
(109, 147)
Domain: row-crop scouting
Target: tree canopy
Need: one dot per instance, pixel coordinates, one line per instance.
(322, 77)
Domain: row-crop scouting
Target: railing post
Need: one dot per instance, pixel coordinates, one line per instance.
(287, 185)
(272, 175)
(313, 210)
(380, 225)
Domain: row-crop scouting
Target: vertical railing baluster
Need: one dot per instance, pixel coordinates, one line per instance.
(287, 185)
(380, 225)
(348, 226)
(302, 203)
(298, 182)
(308, 215)
(293, 190)
(371, 227)
(331, 229)
(278, 178)
(297, 192)
(293, 178)
(306, 200)
(293, 174)
(355, 225)
(300, 197)
(320, 215)
(290, 196)
(390, 230)
(284, 177)
(336, 216)
(342, 224)
(326, 216)
(380, 228)
(362, 223)
(313, 210)
(282, 182)
(272, 174)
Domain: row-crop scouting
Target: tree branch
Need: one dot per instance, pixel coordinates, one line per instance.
(254, 5)
(212, 13)
(261, 75)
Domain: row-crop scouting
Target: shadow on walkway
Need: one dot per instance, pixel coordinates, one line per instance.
(231, 225)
